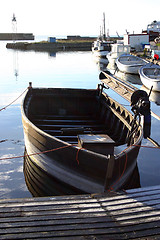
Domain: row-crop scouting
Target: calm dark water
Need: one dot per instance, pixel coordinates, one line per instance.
(64, 69)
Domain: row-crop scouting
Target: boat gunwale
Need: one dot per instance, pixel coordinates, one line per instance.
(118, 61)
(65, 143)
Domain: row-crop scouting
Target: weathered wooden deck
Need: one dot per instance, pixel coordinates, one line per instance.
(134, 214)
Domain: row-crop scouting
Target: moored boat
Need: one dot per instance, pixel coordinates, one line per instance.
(129, 63)
(75, 141)
(101, 48)
(150, 76)
(117, 49)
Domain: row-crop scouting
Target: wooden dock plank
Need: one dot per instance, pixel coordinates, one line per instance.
(133, 214)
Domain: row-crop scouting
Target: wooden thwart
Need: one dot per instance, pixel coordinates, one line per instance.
(130, 215)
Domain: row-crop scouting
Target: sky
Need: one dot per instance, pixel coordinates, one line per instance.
(72, 17)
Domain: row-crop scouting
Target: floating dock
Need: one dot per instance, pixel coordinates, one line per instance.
(133, 214)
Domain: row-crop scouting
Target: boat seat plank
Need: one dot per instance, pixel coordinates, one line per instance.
(59, 126)
(154, 76)
(121, 215)
(63, 117)
(133, 62)
(64, 121)
(59, 132)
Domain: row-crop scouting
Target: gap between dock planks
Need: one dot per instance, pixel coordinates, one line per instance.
(134, 214)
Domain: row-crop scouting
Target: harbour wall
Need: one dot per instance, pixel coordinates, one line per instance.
(70, 44)
(55, 46)
(16, 36)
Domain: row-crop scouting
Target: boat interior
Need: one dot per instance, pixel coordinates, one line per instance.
(67, 115)
(152, 72)
(128, 60)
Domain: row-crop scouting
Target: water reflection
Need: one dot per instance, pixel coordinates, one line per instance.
(52, 54)
(33, 175)
(15, 64)
(133, 79)
(12, 184)
(101, 63)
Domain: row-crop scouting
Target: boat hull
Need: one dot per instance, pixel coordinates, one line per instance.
(53, 166)
(129, 64)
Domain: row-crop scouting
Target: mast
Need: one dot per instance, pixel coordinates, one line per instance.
(104, 27)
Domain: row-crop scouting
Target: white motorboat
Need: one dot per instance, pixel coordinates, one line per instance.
(101, 47)
(117, 49)
(129, 63)
(150, 76)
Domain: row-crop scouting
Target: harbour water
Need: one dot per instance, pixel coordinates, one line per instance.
(62, 69)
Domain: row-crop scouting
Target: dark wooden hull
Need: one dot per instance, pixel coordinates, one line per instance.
(67, 168)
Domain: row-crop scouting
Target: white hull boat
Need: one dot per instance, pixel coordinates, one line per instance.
(117, 50)
(129, 63)
(150, 76)
(101, 48)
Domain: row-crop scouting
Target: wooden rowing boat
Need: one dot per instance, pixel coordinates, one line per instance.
(75, 141)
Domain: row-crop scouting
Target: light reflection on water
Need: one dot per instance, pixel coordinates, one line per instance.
(65, 69)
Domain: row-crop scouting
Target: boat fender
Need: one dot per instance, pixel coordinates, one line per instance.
(141, 106)
(156, 56)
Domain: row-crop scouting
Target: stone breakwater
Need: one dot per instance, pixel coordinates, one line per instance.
(47, 46)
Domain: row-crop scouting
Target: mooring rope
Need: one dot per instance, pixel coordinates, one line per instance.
(14, 100)
(78, 150)
(38, 153)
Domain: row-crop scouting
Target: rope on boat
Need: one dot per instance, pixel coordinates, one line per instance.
(70, 145)
(14, 100)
